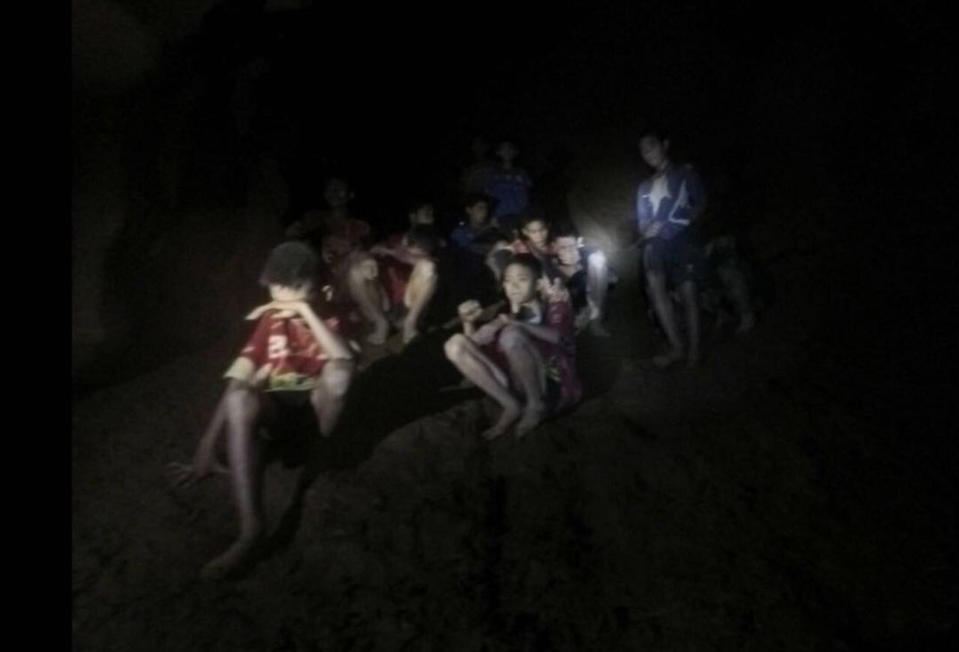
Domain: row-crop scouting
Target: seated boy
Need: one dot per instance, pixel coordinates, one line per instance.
(292, 357)
(471, 242)
(587, 276)
(395, 281)
(729, 274)
(477, 232)
(333, 232)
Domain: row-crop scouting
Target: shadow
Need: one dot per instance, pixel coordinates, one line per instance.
(392, 392)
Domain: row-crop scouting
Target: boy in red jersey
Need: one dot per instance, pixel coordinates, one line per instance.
(293, 356)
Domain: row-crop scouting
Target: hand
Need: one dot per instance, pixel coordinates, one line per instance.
(556, 291)
(380, 250)
(653, 230)
(469, 311)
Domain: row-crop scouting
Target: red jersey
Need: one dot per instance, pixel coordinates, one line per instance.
(282, 354)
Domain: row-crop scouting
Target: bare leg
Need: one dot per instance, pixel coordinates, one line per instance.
(365, 291)
(663, 305)
(597, 282)
(472, 363)
(204, 462)
(243, 407)
(691, 302)
(735, 285)
(327, 399)
(420, 290)
(527, 367)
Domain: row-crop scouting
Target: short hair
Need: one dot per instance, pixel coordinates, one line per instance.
(528, 261)
(657, 131)
(292, 264)
(564, 229)
(525, 220)
(337, 178)
(417, 203)
(475, 198)
(423, 237)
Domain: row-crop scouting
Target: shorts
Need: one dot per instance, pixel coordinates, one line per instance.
(288, 426)
(680, 259)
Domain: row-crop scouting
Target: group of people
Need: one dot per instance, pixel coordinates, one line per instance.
(520, 286)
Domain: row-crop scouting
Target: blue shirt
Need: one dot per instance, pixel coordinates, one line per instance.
(510, 189)
(670, 198)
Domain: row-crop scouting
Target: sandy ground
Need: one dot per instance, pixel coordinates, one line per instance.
(770, 499)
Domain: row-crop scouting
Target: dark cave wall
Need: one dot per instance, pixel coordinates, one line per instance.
(171, 207)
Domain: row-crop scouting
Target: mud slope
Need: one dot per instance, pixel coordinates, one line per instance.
(775, 498)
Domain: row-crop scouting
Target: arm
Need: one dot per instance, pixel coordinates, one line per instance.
(648, 226)
(327, 339)
(548, 333)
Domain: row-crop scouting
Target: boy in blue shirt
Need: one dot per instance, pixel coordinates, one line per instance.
(667, 203)
(509, 187)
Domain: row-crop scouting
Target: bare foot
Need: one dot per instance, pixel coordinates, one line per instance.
(236, 556)
(668, 358)
(597, 329)
(380, 331)
(532, 416)
(510, 414)
(187, 475)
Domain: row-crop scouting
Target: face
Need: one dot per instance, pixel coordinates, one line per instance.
(537, 233)
(567, 250)
(286, 293)
(422, 215)
(506, 151)
(653, 151)
(519, 285)
(478, 213)
(337, 193)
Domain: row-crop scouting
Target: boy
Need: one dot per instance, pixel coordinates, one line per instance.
(477, 175)
(476, 233)
(334, 232)
(587, 275)
(509, 187)
(667, 203)
(399, 276)
(292, 357)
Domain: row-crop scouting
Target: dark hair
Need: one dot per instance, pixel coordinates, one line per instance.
(337, 178)
(525, 220)
(564, 229)
(423, 237)
(528, 261)
(417, 203)
(659, 132)
(292, 264)
(475, 198)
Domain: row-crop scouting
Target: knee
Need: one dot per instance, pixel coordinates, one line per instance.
(337, 376)
(362, 269)
(455, 347)
(512, 338)
(597, 261)
(241, 399)
(425, 269)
